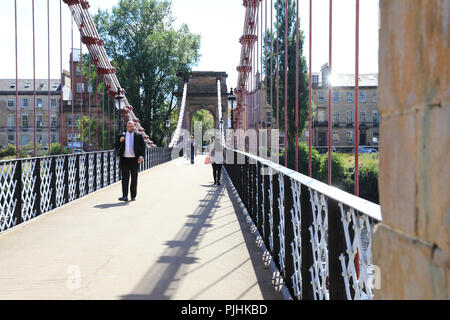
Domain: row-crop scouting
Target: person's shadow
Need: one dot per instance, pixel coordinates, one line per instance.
(111, 205)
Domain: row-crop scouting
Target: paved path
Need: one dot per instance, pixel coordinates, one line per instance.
(183, 238)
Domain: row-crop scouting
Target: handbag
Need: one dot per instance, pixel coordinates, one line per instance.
(207, 159)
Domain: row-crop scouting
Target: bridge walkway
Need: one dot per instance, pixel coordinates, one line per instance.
(183, 238)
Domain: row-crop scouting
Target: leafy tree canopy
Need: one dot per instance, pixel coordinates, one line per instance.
(148, 54)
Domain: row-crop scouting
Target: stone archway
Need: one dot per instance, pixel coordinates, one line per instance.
(202, 94)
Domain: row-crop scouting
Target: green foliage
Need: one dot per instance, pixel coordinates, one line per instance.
(342, 169)
(148, 54)
(9, 151)
(270, 47)
(206, 119)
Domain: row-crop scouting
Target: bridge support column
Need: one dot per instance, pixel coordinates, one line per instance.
(411, 247)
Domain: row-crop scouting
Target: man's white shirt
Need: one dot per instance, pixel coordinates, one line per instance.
(129, 145)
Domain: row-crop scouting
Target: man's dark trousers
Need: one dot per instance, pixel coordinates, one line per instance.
(129, 166)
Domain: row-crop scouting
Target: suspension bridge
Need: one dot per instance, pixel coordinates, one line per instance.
(267, 232)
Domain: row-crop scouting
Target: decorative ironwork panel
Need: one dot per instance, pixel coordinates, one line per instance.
(271, 209)
(105, 168)
(28, 192)
(358, 269)
(318, 231)
(262, 201)
(117, 169)
(91, 172)
(60, 185)
(72, 178)
(82, 175)
(296, 244)
(99, 171)
(281, 234)
(8, 202)
(46, 188)
(111, 167)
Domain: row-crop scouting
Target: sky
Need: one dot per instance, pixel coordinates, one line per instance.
(220, 24)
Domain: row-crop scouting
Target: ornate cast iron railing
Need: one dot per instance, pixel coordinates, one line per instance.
(33, 186)
(318, 236)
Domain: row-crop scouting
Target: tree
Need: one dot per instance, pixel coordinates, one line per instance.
(148, 54)
(270, 49)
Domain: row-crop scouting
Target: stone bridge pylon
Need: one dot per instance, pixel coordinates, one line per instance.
(202, 93)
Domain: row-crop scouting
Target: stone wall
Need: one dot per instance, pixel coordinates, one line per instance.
(412, 245)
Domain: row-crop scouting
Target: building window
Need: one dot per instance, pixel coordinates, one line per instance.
(349, 97)
(10, 102)
(80, 87)
(362, 117)
(53, 137)
(375, 97)
(39, 138)
(349, 116)
(25, 139)
(39, 121)
(89, 87)
(362, 97)
(315, 79)
(25, 121)
(321, 116)
(25, 102)
(336, 96)
(321, 96)
(335, 137)
(79, 102)
(11, 139)
(78, 71)
(11, 121)
(53, 121)
(349, 135)
(27, 85)
(69, 120)
(336, 117)
(39, 102)
(375, 117)
(53, 103)
(55, 85)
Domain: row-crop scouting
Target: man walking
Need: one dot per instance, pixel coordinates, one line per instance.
(131, 147)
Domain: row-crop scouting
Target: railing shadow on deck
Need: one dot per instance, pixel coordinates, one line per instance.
(160, 282)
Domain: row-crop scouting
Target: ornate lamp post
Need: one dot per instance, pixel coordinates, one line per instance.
(231, 98)
(167, 131)
(119, 105)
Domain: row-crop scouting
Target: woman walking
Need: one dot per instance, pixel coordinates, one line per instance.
(216, 159)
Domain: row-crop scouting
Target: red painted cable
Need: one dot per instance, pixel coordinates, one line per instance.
(17, 83)
(72, 83)
(61, 73)
(48, 83)
(286, 86)
(103, 114)
(357, 102)
(330, 90)
(271, 62)
(278, 75)
(34, 80)
(310, 90)
(80, 65)
(296, 91)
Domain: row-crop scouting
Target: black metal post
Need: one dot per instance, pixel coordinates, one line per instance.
(336, 246)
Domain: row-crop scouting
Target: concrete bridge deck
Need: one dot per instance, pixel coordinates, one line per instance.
(183, 238)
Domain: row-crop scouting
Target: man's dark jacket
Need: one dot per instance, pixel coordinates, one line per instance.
(139, 145)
